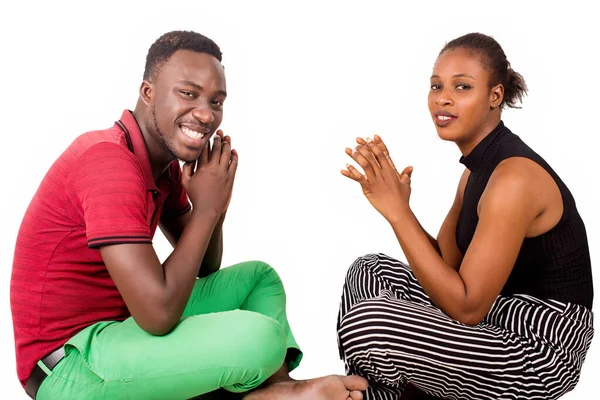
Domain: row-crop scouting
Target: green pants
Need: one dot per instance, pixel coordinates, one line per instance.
(234, 334)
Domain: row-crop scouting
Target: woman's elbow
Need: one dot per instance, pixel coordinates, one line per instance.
(469, 315)
(470, 319)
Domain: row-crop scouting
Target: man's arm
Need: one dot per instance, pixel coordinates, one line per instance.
(156, 294)
(211, 262)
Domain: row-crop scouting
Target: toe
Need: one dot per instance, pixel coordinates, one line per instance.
(355, 383)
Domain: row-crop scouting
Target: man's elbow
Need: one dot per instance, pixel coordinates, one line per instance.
(206, 269)
(157, 324)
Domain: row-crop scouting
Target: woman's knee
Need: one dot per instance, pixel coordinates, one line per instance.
(370, 323)
(378, 266)
(362, 265)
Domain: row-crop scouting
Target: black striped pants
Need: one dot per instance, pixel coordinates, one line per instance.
(391, 333)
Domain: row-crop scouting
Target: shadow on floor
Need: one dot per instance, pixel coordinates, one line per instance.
(410, 393)
(219, 395)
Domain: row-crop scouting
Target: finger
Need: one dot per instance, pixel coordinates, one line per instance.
(348, 174)
(215, 154)
(203, 160)
(225, 153)
(366, 152)
(362, 161)
(188, 170)
(233, 163)
(405, 179)
(357, 176)
(379, 156)
(227, 138)
(379, 142)
(361, 141)
(408, 171)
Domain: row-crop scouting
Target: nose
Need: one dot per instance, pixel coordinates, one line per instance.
(203, 113)
(444, 99)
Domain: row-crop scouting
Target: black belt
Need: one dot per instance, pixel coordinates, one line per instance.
(38, 375)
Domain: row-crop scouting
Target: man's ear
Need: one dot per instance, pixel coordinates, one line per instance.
(496, 95)
(146, 92)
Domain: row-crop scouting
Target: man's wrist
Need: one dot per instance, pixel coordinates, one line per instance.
(206, 215)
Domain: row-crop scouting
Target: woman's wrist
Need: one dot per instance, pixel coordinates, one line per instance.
(400, 214)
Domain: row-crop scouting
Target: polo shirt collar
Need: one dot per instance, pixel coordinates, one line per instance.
(140, 151)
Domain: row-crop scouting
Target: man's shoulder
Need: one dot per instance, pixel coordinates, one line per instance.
(96, 150)
(88, 140)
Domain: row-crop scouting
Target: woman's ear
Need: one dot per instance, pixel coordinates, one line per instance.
(496, 96)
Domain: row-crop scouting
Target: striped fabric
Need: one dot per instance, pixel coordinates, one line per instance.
(391, 333)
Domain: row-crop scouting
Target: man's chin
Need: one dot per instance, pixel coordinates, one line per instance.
(187, 157)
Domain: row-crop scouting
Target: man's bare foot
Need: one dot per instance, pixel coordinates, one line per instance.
(333, 387)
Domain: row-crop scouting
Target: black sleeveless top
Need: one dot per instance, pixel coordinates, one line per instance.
(555, 265)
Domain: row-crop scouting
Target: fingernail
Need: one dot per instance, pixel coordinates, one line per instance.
(347, 165)
(369, 140)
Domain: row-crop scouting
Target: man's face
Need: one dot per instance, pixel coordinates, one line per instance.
(186, 103)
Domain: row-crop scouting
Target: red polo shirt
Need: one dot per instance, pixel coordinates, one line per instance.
(99, 191)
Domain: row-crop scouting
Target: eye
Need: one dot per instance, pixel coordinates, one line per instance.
(463, 86)
(217, 103)
(187, 94)
(435, 87)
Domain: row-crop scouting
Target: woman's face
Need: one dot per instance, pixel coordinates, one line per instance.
(462, 105)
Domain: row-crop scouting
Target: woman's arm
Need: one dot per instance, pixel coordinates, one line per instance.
(446, 238)
(507, 208)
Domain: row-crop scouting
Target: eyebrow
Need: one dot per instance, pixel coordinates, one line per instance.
(200, 88)
(455, 76)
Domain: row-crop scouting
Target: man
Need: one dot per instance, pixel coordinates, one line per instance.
(95, 313)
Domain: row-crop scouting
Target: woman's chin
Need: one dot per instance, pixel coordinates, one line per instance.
(446, 134)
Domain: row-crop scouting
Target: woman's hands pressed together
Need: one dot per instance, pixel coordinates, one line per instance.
(386, 189)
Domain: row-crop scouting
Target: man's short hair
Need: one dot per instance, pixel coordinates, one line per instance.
(166, 45)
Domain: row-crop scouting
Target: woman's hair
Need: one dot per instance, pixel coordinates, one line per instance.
(494, 60)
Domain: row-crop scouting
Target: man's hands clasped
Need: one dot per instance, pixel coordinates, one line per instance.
(208, 181)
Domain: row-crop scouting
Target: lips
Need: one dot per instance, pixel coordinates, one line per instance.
(194, 135)
(443, 118)
(194, 131)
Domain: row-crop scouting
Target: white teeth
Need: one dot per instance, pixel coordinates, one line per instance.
(191, 133)
(443, 117)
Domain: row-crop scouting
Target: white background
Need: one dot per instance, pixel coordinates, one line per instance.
(303, 80)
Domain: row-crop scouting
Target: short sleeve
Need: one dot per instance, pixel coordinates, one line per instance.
(177, 203)
(107, 183)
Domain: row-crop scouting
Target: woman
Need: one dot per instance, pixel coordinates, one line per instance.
(499, 305)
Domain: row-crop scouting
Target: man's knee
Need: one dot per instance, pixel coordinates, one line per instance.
(261, 349)
(260, 270)
(262, 341)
